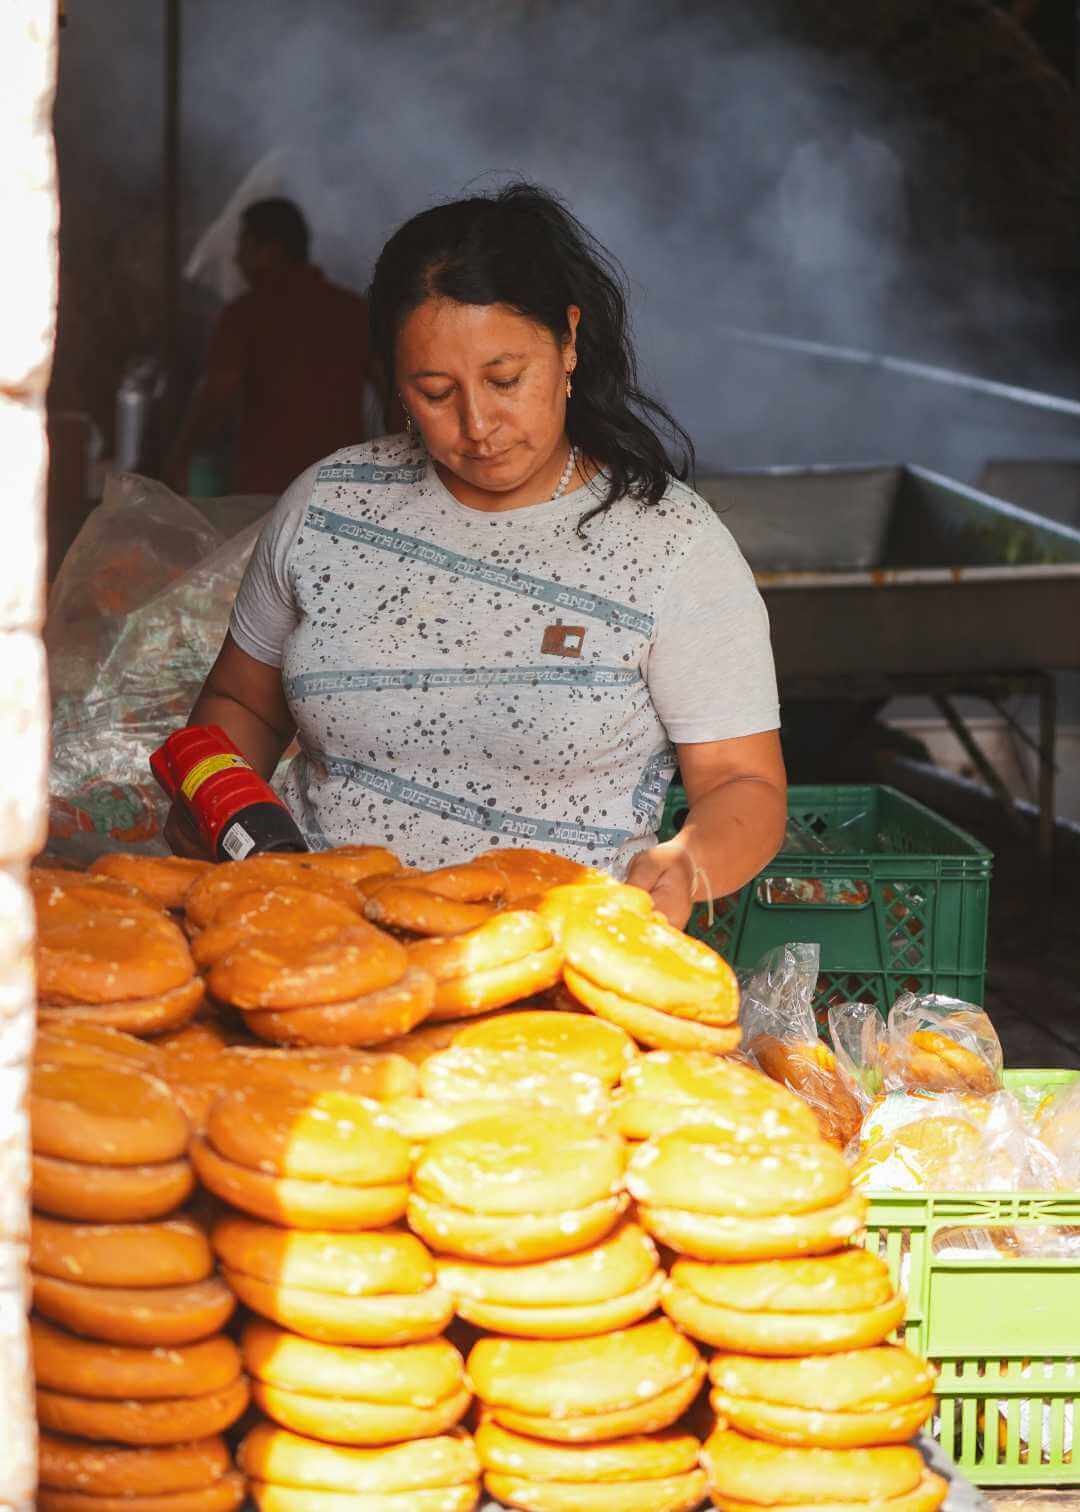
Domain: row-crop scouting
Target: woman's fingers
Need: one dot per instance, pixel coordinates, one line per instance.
(182, 838)
(666, 873)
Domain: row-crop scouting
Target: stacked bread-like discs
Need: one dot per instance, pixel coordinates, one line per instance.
(474, 928)
(656, 1472)
(498, 962)
(159, 1394)
(283, 940)
(108, 955)
(289, 1473)
(609, 1285)
(306, 1160)
(747, 1473)
(455, 900)
(201, 1073)
(879, 1395)
(668, 1089)
(575, 1043)
(515, 1189)
(523, 1205)
(359, 1288)
(164, 879)
(506, 1061)
(354, 986)
(713, 1197)
(109, 1144)
(790, 1307)
(529, 875)
(447, 901)
(811, 1405)
(550, 1060)
(566, 1422)
(345, 1350)
(129, 1353)
(346, 1394)
(629, 965)
(525, 1209)
(334, 874)
(75, 1475)
(518, 1161)
(591, 1390)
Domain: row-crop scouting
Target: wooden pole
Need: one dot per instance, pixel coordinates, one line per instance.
(170, 213)
(28, 214)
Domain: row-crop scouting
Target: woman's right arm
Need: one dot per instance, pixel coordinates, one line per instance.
(243, 693)
(246, 698)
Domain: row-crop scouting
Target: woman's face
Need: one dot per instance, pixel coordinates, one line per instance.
(487, 388)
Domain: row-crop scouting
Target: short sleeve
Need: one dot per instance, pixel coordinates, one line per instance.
(264, 612)
(710, 669)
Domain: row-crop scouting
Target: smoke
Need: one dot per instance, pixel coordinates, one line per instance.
(742, 177)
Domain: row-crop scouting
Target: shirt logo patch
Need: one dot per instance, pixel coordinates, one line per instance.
(562, 640)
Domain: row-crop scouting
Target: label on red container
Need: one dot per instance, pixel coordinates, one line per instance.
(208, 767)
(237, 843)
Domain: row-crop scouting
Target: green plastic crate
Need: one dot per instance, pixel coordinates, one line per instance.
(903, 908)
(1004, 1332)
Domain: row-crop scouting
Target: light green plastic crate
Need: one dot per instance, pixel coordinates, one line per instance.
(1004, 1333)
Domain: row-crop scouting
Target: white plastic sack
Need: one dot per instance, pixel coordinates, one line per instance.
(136, 618)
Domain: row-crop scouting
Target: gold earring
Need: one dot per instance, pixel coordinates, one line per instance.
(569, 387)
(408, 423)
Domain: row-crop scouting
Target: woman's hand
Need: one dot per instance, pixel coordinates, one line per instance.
(667, 871)
(735, 825)
(181, 836)
(247, 699)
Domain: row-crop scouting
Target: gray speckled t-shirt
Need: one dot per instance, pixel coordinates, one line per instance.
(462, 679)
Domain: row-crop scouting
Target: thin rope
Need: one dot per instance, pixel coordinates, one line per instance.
(700, 871)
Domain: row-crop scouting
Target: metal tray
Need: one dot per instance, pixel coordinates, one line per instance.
(1048, 486)
(893, 570)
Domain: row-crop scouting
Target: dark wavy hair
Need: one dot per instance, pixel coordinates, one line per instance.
(521, 247)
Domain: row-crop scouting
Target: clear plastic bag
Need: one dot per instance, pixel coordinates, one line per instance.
(778, 995)
(939, 1044)
(1057, 1120)
(780, 1036)
(136, 618)
(831, 892)
(953, 1142)
(1020, 1241)
(139, 539)
(915, 1143)
(857, 1033)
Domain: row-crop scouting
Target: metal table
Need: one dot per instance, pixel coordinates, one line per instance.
(882, 581)
(943, 689)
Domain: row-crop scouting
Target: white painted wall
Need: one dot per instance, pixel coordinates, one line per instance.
(28, 215)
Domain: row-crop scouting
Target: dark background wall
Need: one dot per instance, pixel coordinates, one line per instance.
(897, 175)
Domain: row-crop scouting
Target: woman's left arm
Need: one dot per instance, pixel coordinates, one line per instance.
(737, 791)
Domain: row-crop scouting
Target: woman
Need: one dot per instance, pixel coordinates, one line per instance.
(505, 625)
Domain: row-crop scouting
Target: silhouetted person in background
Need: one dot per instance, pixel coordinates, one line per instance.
(287, 365)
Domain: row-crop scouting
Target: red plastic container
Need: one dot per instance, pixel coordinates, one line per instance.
(236, 812)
